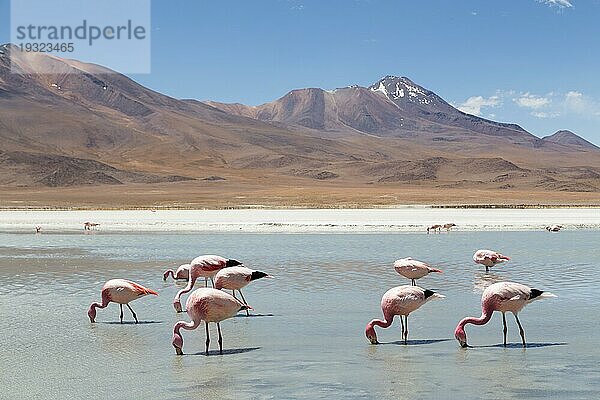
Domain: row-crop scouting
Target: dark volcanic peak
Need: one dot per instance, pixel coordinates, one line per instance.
(569, 138)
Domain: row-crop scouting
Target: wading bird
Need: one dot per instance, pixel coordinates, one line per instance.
(235, 278)
(89, 225)
(504, 297)
(554, 228)
(447, 227)
(208, 305)
(489, 258)
(120, 291)
(183, 272)
(206, 267)
(434, 228)
(413, 269)
(400, 300)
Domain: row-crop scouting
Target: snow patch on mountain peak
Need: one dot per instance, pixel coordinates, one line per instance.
(381, 88)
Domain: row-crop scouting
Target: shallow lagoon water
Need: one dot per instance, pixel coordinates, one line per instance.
(307, 341)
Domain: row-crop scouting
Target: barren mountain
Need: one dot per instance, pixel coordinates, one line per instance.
(569, 138)
(87, 125)
(391, 107)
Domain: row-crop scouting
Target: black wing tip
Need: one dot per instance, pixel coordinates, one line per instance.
(428, 293)
(257, 275)
(535, 293)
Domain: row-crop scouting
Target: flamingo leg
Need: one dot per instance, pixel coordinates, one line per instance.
(505, 329)
(132, 313)
(487, 269)
(521, 331)
(212, 281)
(220, 339)
(121, 315)
(406, 327)
(207, 338)
(241, 294)
(205, 282)
(413, 282)
(402, 325)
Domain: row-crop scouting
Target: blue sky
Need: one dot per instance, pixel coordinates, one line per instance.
(530, 62)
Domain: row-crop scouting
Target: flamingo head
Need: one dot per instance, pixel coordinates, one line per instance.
(461, 336)
(92, 313)
(166, 275)
(177, 305)
(232, 263)
(370, 333)
(178, 343)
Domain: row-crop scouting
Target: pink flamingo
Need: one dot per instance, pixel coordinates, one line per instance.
(413, 269)
(434, 228)
(400, 300)
(183, 272)
(203, 266)
(447, 227)
(235, 278)
(119, 291)
(89, 225)
(208, 305)
(503, 297)
(489, 258)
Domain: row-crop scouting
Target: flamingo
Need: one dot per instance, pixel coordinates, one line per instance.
(208, 305)
(203, 266)
(400, 300)
(413, 269)
(503, 297)
(119, 291)
(235, 278)
(489, 258)
(89, 225)
(447, 227)
(183, 272)
(554, 228)
(434, 228)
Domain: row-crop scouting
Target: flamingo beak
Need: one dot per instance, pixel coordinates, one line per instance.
(373, 340)
(178, 351)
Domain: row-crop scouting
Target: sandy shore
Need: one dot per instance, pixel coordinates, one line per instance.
(405, 219)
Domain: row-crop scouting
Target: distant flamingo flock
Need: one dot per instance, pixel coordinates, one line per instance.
(213, 305)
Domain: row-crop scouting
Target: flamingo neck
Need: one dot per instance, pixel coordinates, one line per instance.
(185, 325)
(169, 272)
(383, 323)
(93, 306)
(188, 288)
(484, 319)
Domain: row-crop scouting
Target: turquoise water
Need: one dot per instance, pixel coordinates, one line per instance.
(307, 341)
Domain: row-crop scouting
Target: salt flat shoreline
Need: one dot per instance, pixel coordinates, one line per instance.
(399, 219)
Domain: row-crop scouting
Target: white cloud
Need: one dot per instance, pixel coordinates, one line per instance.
(533, 101)
(557, 3)
(474, 104)
(573, 104)
(543, 114)
(578, 103)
